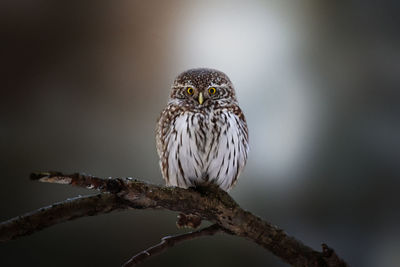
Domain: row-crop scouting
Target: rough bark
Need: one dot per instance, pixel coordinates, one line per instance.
(60, 212)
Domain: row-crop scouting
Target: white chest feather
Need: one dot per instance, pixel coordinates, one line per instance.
(206, 148)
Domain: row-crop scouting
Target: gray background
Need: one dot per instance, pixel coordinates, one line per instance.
(84, 82)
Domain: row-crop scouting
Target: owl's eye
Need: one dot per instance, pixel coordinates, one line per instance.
(190, 90)
(212, 90)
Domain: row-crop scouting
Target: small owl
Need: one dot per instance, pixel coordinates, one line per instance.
(202, 134)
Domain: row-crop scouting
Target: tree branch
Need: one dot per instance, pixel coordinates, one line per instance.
(212, 204)
(170, 241)
(60, 212)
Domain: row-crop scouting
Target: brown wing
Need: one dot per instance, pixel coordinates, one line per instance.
(163, 127)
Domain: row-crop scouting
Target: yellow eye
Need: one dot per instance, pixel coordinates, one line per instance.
(190, 91)
(212, 90)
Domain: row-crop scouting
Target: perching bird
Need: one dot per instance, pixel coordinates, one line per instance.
(202, 133)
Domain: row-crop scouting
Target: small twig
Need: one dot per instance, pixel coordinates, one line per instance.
(170, 241)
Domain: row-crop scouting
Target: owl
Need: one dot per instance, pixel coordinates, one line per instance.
(202, 134)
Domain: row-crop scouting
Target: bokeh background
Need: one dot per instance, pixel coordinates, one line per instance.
(83, 83)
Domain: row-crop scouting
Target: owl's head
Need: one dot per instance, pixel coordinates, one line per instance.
(203, 88)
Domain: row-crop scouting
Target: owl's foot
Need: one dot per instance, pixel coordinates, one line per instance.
(188, 221)
(206, 188)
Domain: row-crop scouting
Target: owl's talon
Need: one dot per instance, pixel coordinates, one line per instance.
(188, 221)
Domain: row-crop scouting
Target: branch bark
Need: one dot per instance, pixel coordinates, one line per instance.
(211, 204)
(60, 212)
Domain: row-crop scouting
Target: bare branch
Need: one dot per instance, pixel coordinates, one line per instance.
(60, 212)
(170, 241)
(213, 205)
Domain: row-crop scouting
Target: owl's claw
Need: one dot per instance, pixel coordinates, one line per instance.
(188, 221)
(206, 188)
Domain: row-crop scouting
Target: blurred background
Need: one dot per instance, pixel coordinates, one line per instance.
(83, 84)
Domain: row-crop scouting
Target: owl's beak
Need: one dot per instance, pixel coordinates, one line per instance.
(201, 99)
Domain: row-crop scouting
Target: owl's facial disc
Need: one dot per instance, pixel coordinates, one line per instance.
(200, 96)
